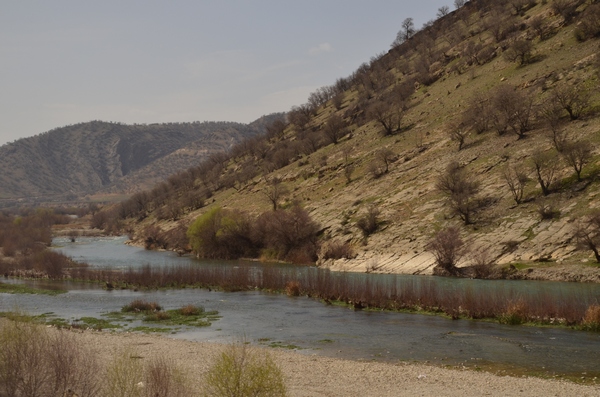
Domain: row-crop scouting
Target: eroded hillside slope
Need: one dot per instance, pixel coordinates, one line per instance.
(489, 76)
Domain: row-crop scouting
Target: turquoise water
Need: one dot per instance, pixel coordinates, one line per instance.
(312, 327)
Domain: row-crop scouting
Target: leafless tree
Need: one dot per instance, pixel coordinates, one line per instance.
(511, 110)
(459, 3)
(442, 11)
(551, 112)
(335, 128)
(577, 154)
(461, 190)
(537, 23)
(275, 191)
(521, 50)
(574, 100)
(565, 8)
(389, 115)
(545, 165)
(385, 157)
(448, 248)
(516, 180)
(458, 133)
(478, 113)
(369, 222)
(587, 233)
(406, 32)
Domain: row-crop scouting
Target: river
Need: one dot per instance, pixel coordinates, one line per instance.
(311, 327)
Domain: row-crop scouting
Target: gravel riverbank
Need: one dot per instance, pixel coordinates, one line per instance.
(312, 376)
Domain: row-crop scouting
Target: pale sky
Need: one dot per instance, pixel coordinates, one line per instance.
(65, 62)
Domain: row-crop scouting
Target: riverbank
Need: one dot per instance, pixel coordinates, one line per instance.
(312, 376)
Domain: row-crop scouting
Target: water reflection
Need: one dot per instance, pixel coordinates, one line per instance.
(316, 328)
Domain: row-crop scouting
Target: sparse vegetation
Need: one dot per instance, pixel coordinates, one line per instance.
(241, 370)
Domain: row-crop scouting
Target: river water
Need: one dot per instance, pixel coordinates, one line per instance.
(312, 327)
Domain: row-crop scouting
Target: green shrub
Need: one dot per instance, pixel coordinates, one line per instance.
(243, 371)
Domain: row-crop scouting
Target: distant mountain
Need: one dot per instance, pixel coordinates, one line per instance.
(88, 158)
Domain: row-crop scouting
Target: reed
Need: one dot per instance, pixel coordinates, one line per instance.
(499, 302)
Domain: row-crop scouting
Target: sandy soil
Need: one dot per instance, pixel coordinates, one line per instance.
(313, 376)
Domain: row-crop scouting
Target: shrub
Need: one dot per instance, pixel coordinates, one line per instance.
(191, 310)
(292, 288)
(123, 375)
(289, 235)
(515, 313)
(335, 249)
(242, 371)
(369, 222)
(35, 363)
(448, 248)
(222, 234)
(591, 319)
(139, 305)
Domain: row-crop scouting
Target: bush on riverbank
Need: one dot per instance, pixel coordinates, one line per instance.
(289, 235)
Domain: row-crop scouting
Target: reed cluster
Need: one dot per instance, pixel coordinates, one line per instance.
(497, 301)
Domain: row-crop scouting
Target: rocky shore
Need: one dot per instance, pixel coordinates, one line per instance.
(312, 376)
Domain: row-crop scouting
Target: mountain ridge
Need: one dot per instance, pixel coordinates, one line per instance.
(94, 157)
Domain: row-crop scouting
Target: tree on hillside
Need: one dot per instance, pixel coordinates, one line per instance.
(577, 155)
(520, 50)
(458, 133)
(459, 3)
(274, 191)
(406, 32)
(388, 114)
(587, 233)
(461, 190)
(448, 248)
(545, 165)
(335, 128)
(442, 11)
(512, 110)
(574, 100)
(516, 179)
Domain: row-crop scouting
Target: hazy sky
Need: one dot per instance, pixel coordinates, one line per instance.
(64, 62)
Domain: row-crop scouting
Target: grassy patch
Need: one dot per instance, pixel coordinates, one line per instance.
(23, 289)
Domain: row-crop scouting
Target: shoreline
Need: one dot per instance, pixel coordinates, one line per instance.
(313, 375)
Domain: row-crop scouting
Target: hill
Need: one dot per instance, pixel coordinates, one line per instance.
(101, 157)
(484, 123)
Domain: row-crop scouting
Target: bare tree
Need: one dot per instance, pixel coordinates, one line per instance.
(521, 50)
(551, 113)
(458, 133)
(406, 32)
(587, 233)
(459, 3)
(545, 165)
(275, 191)
(448, 248)
(478, 113)
(461, 190)
(577, 155)
(442, 11)
(389, 115)
(572, 99)
(385, 157)
(335, 128)
(516, 180)
(511, 110)
(537, 23)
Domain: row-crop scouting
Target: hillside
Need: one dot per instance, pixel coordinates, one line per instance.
(100, 157)
(496, 94)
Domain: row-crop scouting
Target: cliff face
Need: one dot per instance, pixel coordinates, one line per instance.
(94, 157)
